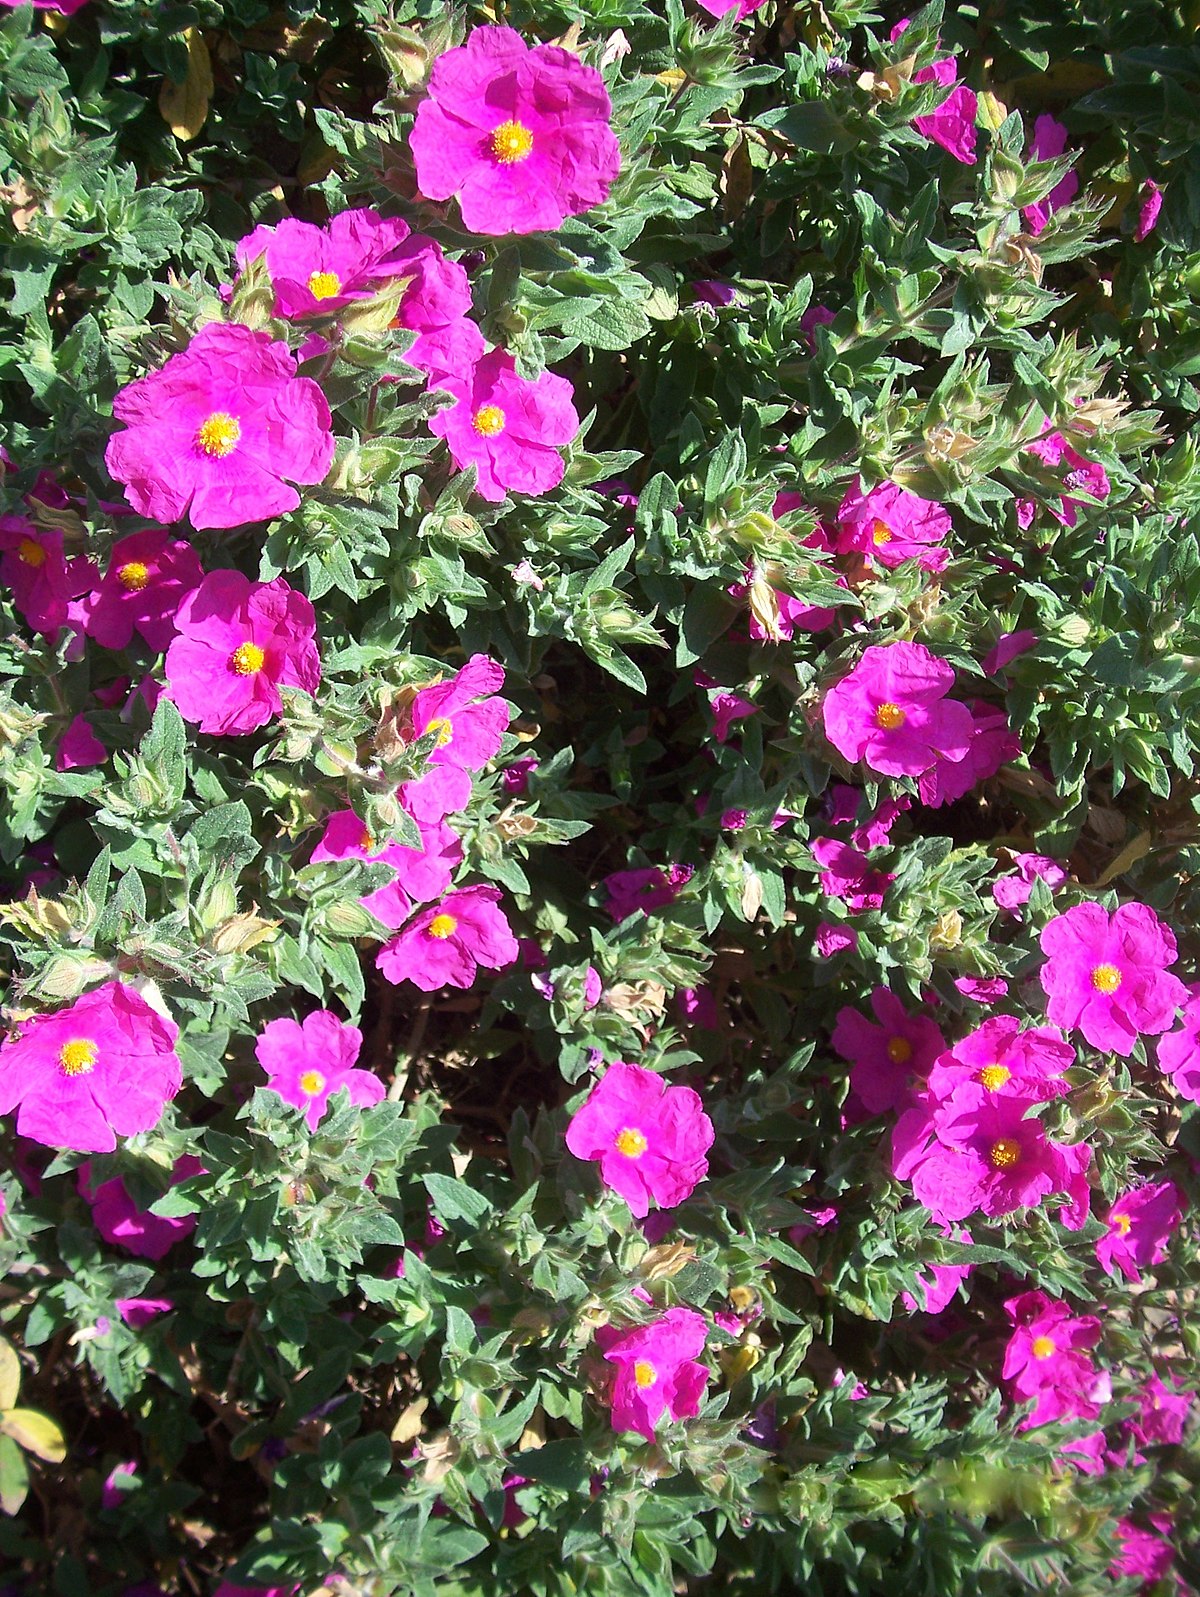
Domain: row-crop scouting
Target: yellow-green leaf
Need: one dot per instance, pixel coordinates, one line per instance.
(10, 1374)
(14, 1476)
(36, 1433)
(184, 106)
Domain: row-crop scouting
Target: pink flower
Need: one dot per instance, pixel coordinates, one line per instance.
(833, 938)
(992, 745)
(1011, 892)
(952, 123)
(1145, 1553)
(698, 1007)
(509, 428)
(445, 945)
(308, 1061)
(650, 1138)
(939, 1283)
(891, 711)
(418, 874)
(1151, 204)
(728, 707)
(520, 135)
(982, 989)
(113, 1491)
(1179, 1051)
(647, 890)
(1107, 975)
(238, 643)
(43, 581)
(656, 1370)
(318, 270)
(1140, 1225)
(148, 575)
(447, 352)
(979, 1151)
(886, 1059)
(221, 432)
(79, 748)
(722, 8)
(120, 1222)
(1163, 1413)
(469, 734)
(1047, 1360)
(1004, 1058)
(67, 8)
(104, 1067)
(815, 316)
(847, 874)
(708, 291)
(1006, 649)
(1049, 140)
(137, 1313)
(890, 525)
(1087, 476)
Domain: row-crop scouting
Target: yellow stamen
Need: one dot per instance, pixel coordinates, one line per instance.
(1004, 1153)
(631, 1143)
(442, 926)
(488, 420)
(442, 727)
(881, 533)
(78, 1057)
(1106, 978)
(1043, 1347)
(324, 285)
(890, 717)
(133, 575)
(31, 553)
(311, 1083)
(1122, 1223)
(218, 434)
(366, 842)
(899, 1050)
(644, 1373)
(511, 142)
(246, 659)
(993, 1077)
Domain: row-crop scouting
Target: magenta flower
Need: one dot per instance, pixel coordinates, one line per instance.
(728, 707)
(419, 874)
(815, 316)
(888, 1058)
(1006, 649)
(982, 989)
(509, 428)
(1047, 1360)
(1147, 1554)
(980, 1152)
(722, 8)
(952, 123)
(1140, 1225)
(43, 581)
(1107, 975)
(1179, 1051)
(847, 874)
(137, 1313)
(1085, 476)
(520, 135)
(650, 1138)
(238, 643)
(447, 352)
(67, 8)
(120, 1222)
(113, 1490)
(1163, 1413)
(657, 1371)
(1151, 204)
(148, 575)
(79, 748)
(446, 944)
(469, 722)
(891, 711)
(221, 432)
(938, 1284)
(890, 525)
(82, 1077)
(308, 1061)
(1012, 892)
(1004, 1058)
(647, 890)
(833, 938)
(317, 270)
(993, 744)
(1049, 141)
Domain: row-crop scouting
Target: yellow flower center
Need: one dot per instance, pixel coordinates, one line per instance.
(511, 142)
(366, 842)
(644, 1373)
(442, 727)
(631, 1143)
(1004, 1153)
(218, 434)
(78, 1057)
(311, 1083)
(993, 1077)
(881, 533)
(443, 926)
(324, 285)
(31, 553)
(890, 717)
(1106, 978)
(1043, 1347)
(133, 575)
(899, 1050)
(1122, 1223)
(488, 420)
(246, 659)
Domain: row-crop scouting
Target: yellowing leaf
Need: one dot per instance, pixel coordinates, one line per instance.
(36, 1433)
(10, 1374)
(184, 106)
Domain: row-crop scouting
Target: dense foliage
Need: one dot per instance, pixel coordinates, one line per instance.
(598, 703)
